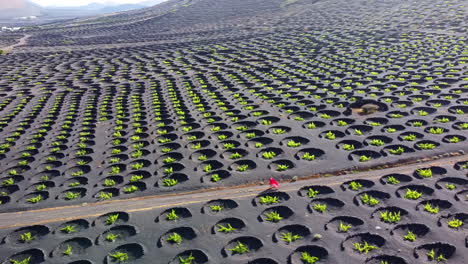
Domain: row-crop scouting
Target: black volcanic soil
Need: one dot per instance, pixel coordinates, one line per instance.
(144, 235)
(195, 94)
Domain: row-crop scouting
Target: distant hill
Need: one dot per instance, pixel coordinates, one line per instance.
(22, 8)
(18, 8)
(90, 9)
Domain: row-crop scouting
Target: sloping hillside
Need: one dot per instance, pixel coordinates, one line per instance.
(18, 8)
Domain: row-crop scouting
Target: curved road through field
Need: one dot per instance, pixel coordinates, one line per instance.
(21, 42)
(86, 210)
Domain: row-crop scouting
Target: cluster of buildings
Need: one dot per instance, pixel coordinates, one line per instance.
(10, 29)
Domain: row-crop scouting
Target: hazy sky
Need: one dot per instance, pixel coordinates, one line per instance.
(79, 2)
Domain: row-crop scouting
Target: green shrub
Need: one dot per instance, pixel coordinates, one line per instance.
(240, 248)
(369, 200)
(307, 258)
(412, 194)
(289, 237)
(364, 247)
(390, 217)
(174, 238)
(269, 199)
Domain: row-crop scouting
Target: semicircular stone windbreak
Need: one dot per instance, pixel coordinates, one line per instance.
(111, 219)
(263, 261)
(242, 246)
(270, 198)
(363, 243)
(292, 234)
(308, 254)
(281, 165)
(410, 232)
(313, 124)
(343, 224)
(325, 205)
(301, 115)
(423, 111)
(72, 194)
(209, 166)
(294, 142)
(259, 142)
(462, 196)
(437, 251)
(110, 181)
(389, 214)
(414, 192)
(458, 109)
(177, 236)
(118, 233)
(106, 193)
(250, 134)
(4, 200)
(243, 166)
(460, 125)
(126, 253)
(215, 177)
(276, 214)
(40, 176)
(396, 150)
(194, 256)
(228, 144)
(270, 153)
(430, 172)
(34, 197)
(72, 247)
(451, 183)
(221, 135)
(172, 180)
(379, 259)
(30, 256)
(410, 136)
(219, 206)
(395, 179)
(453, 139)
(444, 119)
(278, 130)
(359, 130)
(76, 181)
(10, 189)
(377, 140)
(234, 154)
(71, 228)
(310, 154)
(342, 122)
(349, 145)
(331, 135)
(228, 226)
(357, 185)
(27, 235)
(396, 115)
(433, 206)
(454, 221)
(426, 145)
(173, 215)
(376, 121)
(363, 156)
(461, 165)
(371, 198)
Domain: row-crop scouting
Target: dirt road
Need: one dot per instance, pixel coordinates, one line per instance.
(21, 41)
(49, 215)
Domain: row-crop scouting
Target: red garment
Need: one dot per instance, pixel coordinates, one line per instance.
(274, 183)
